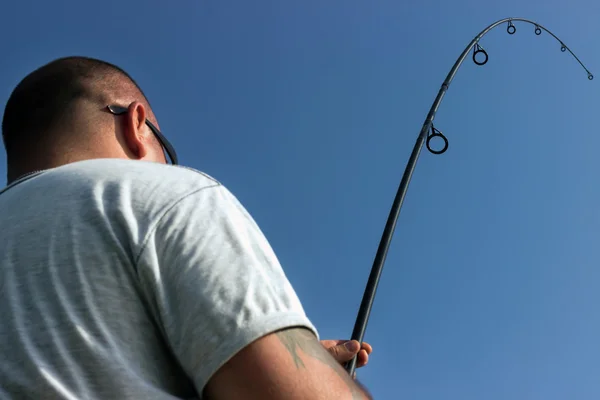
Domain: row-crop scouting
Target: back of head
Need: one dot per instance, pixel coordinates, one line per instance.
(43, 111)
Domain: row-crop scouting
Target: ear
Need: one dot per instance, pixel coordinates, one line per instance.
(134, 130)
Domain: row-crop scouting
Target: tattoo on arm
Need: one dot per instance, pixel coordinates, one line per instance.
(305, 340)
(288, 339)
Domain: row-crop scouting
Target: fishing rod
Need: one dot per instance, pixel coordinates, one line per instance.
(429, 132)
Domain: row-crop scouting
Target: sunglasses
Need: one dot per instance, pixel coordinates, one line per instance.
(118, 110)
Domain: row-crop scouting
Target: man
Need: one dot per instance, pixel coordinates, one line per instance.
(123, 277)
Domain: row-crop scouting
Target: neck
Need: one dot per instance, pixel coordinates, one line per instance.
(12, 179)
(14, 175)
(41, 164)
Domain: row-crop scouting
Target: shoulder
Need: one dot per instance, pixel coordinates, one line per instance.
(134, 178)
(123, 190)
(146, 171)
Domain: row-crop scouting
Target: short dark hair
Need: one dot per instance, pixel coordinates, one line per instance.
(44, 98)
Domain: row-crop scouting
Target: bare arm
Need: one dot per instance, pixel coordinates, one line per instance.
(287, 365)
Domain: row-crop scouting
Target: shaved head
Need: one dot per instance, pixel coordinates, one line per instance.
(58, 108)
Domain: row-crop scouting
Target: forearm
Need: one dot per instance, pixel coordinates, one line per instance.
(287, 365)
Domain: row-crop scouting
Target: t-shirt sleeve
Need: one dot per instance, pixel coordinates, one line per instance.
(213, 282)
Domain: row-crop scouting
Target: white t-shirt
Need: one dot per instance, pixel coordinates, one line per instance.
(130, 280)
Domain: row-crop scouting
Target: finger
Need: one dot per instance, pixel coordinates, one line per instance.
(331, 343)
(362, 359)
(367, 347)
(345, 352)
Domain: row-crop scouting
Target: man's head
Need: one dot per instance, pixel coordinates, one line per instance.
(78, 108)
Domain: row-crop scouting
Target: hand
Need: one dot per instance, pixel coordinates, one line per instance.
(344, 350)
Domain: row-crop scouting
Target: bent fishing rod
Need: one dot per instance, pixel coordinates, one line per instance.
(429, 132)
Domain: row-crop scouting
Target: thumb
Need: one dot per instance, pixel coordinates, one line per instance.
(345, 351)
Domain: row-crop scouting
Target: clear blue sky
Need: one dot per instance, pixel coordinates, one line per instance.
(308, 112)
